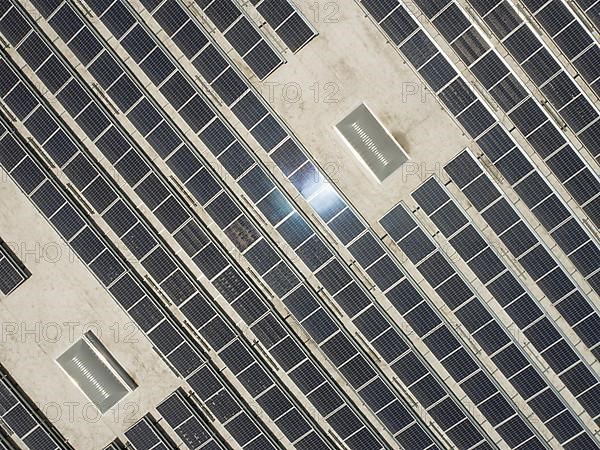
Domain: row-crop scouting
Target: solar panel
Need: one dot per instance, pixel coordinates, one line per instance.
(171, 214)
(541, 66)
(487, 265)
(38, 439)
(73, 98)
(288, 157)
(460, 365)
(269, 133)
(243, 36)
(195, 112)
(209, 63)
(281, 279)
(287, 353)
(12, 271)
(476, 119)
(451, 22)
(508, 93)
(346, 226)
(295, 32)
(43, 126)
(449, 219)
(549, 209)
(223, 210)
(217, 333)
(319, 326)
(470, 46)
(366, 250)
(419, 49)
(398, 24)
(457, 96)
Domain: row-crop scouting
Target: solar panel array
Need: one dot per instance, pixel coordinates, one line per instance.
(525, 245)
(513, 97)
(241, 32)
(405, 429)
(487, 330)
(21, 416)
(305, 179)
(235, 290)
(478, 120)
(12, 271)
(577, 44)
(526, 113)
(228, 17)
(408, 433)
(394, 382)
(479, 319)
(167, 272)
(521, 306)
(170, 340)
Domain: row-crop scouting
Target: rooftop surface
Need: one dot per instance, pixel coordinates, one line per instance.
(288, 297)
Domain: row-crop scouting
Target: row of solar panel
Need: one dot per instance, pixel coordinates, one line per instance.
(234, 289)
(570, 35)
(181, 415)
(554, 81)
(486, 265)
(226, 15)
(526, 246)
(12, 271)
(517, 301)
(146, 434)
(556, 84)
(168, 338)
(479, 321)
(285, 19)
(158, 261)
(495, 141)
(190, 163)
(524, 110)
(19, 415)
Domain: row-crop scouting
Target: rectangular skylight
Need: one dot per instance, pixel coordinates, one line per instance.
(94, 370)
(371, 142)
